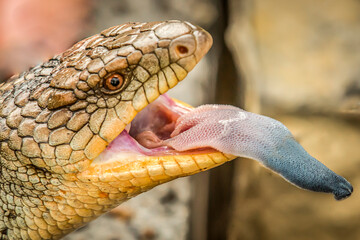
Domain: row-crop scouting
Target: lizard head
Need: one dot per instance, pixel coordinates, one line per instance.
(89, 114)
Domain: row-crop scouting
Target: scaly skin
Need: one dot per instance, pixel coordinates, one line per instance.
(56, 118)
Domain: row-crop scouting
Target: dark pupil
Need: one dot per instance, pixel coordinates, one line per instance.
(115, 81)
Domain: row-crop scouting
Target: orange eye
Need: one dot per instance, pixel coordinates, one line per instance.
(114, 82)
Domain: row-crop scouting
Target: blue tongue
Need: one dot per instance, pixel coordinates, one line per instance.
(234, 131)
(294, 164)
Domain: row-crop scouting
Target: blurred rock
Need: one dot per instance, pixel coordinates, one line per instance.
(112, 12)
(304, 54)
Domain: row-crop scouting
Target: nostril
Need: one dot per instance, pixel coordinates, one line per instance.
(182, 49)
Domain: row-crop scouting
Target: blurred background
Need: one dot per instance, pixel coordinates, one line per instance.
(296, 61)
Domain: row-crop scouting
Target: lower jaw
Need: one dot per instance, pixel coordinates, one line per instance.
(135, 175)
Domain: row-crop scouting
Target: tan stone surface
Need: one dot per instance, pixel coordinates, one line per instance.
(299, 54)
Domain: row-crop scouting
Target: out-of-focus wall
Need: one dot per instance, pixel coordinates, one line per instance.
(304, 55)
(301, 61)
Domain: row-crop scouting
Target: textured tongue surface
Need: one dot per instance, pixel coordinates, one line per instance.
(225, 128)
(234, 131)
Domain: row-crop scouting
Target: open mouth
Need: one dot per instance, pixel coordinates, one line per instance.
(146, 135)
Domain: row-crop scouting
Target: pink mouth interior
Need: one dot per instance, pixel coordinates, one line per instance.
(147, 132)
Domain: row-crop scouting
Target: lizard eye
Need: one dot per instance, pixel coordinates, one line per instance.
(114, 82)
